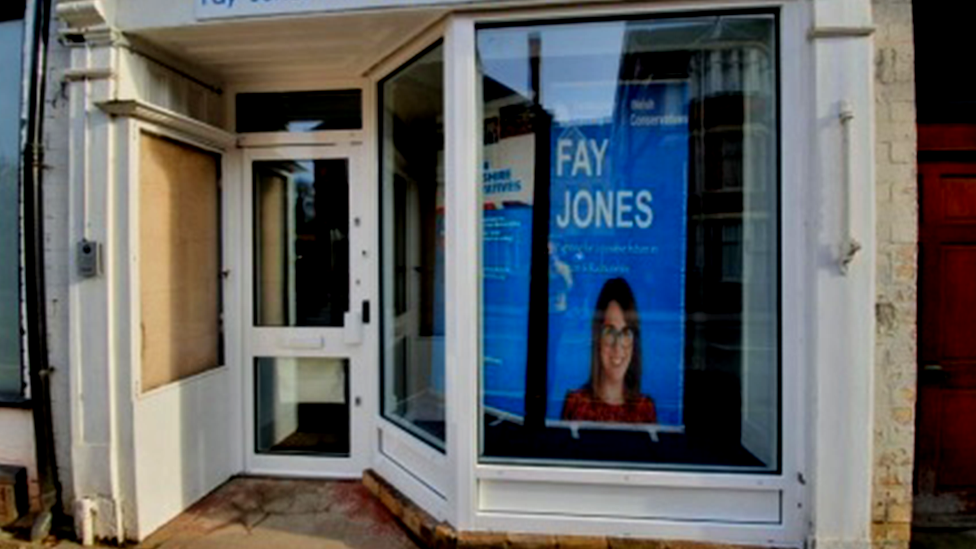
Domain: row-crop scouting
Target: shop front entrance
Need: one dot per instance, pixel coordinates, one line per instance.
(308, 332)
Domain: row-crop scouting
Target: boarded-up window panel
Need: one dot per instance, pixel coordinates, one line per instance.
(179, 216)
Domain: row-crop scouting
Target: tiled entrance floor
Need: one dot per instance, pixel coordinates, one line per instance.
(256, 513)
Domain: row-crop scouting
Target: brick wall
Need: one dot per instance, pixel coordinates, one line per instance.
(897, 237)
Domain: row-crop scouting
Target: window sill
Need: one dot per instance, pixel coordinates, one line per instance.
(17, 403)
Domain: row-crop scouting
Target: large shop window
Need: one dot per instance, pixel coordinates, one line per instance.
(11, 51)
(630, 241)
(412, 172)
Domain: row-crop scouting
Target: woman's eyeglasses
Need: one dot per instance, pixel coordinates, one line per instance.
(612, 336)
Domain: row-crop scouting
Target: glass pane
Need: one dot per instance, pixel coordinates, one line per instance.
(630, 242)
(302, 405)
(412, 174)
(300, 111)
(11, 42)
(301, 242)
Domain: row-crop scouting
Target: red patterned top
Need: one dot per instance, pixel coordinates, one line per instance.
(583, 405)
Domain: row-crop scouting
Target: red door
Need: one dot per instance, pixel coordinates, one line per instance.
(945, 470)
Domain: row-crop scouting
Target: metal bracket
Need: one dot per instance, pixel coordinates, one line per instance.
(849, 246)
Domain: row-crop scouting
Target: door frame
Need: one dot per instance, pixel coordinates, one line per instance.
(362, 356)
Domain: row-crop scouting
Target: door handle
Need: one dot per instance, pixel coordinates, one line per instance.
(933, 368)
(365, 311)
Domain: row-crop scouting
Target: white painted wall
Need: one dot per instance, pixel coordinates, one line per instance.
(841, 383)
(17, 445)
(56, 257)
(182, 443)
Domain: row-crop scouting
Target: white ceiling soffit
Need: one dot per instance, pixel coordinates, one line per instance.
(320, 47)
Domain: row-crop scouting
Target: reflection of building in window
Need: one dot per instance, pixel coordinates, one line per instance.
(412, 173)
(732, 140)
(730, 304)
(732, 252)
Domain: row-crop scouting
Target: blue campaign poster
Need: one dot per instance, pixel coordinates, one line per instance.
(509, 169)
(618, 211)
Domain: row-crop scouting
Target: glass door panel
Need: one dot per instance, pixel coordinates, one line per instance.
(304, 340)
(301, 245)
(302, 406)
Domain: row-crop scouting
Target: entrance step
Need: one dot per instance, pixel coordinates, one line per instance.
(249, 512)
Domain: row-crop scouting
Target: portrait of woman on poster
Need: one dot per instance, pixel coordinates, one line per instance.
(613, 392)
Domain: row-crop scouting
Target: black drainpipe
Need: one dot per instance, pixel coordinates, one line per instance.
(36, 324)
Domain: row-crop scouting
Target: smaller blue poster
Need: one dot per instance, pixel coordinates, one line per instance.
(617, 256)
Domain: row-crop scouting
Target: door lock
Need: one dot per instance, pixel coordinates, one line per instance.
(933, 374)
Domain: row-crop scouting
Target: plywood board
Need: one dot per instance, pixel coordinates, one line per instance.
(179, 263)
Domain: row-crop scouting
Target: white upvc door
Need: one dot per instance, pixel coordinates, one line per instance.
(309, 234)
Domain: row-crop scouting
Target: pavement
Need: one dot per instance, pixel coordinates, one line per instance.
(248, 513)
(252, 513)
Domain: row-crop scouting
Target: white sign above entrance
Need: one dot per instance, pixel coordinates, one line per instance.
(220, 9)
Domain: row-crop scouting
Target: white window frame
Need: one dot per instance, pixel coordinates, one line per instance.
(423, 473)
(520, 499)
